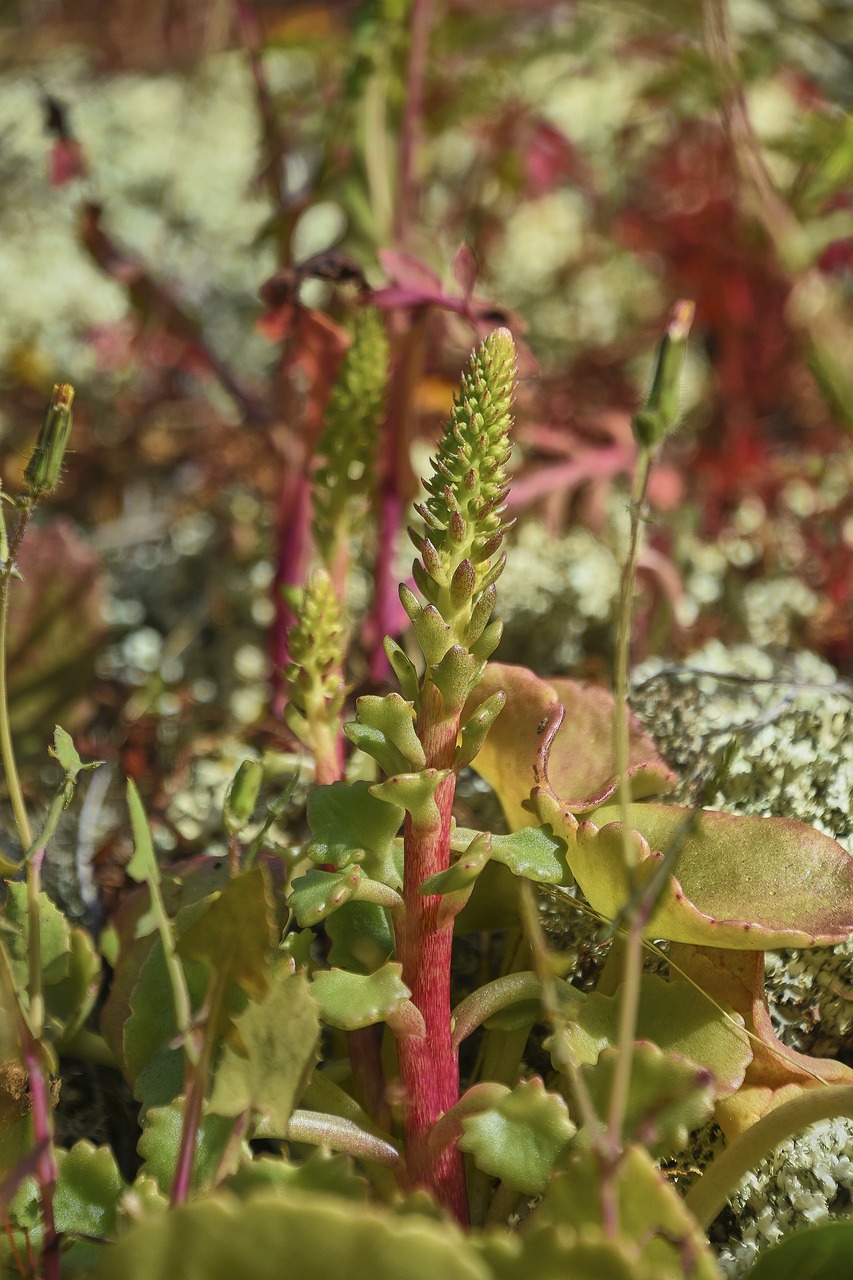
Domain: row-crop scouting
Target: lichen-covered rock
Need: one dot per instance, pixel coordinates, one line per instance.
(790, 720)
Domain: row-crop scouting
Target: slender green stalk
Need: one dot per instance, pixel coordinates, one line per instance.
(198, 1078)
(657, 419)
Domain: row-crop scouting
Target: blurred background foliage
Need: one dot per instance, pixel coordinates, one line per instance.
(160, 161)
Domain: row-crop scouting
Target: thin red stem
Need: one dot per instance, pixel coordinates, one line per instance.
(429, 1067)
(46, 1163)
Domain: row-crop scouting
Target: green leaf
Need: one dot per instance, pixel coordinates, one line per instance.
(70, 1001)
(160, 1140)
(361, 936)
(674, 1016)
(385, 728)
(558, 1253)
(414, 792)
(348, 824)
(280, 1034)
(236, 934)
(818, 1253)
(318, 894)
(319, 1236)
(521, 1139)
(330, 1173)
(55, 938)
(65, 752)
(87, 1190)
(652, 1219)
(352, 1000)
(741, 882)
(143, 865)
(533, 852)
(668, 1097)
(462, 873)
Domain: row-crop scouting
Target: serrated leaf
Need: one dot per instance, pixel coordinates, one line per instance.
(651, 1215)
(280, 1034)
(330, 1173)
(678, 1019)
(318, 894)
(161, 1135)
(668, 1097)
(320, 1236)
(348, 824)
(87, 1190)
(353, 1000)
(521, 1139)
(236, 934)
(533, 852)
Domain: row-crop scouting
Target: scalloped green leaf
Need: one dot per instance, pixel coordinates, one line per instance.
(320, 1236)
(668, 1096)
(521, 1139)
(393, 720)
(581, 764)
(54, 940)
(348, 824)
(161, 1135)
(742, 882)
(361, 936)
(677, 1018)
(651, 1216)
(280, 1035)
(532, 852)
(328, 1172)
(556, 1252)
(414, 792)
(237, 933)
(353, 1000)
(88, 1188)
(318, 894)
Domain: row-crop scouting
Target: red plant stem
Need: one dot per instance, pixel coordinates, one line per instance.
(410, 135)
(197, 1077)
(429, 1067)
(46, 1162)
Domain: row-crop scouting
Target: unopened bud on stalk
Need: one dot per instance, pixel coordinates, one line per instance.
(44, 468)
(242, 795)
(659, 416)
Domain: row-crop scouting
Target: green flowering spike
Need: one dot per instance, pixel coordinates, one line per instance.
(314, 676)
(348, 444)
(464, 509)
(44, 468)
(659, 416)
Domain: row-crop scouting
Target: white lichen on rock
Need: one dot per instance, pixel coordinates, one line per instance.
(791, 721)
(805, 1182)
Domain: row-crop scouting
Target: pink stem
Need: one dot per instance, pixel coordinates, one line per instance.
(46, 1163)
(429, 1066)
